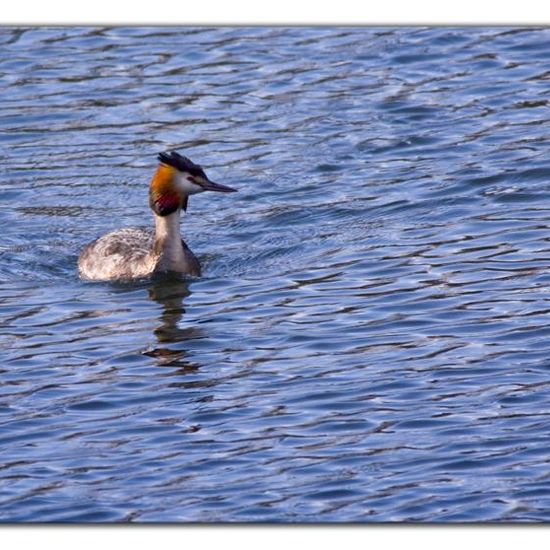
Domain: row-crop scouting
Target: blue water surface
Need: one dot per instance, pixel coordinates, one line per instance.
(369, 341)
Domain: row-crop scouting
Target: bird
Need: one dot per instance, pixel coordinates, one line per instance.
(133, 253)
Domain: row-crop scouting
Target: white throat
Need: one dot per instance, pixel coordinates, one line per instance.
(168, 239)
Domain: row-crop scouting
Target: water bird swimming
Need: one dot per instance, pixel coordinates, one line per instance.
(131, 253)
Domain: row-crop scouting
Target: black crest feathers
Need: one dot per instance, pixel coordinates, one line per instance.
(181, 163)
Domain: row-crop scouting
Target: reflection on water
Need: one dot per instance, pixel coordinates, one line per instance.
(170, 292)
(369, 340)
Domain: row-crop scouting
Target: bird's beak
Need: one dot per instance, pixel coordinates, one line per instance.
(208, 185)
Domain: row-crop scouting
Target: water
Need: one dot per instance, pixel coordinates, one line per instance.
(369, 341)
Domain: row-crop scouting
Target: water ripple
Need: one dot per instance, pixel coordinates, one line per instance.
(369, 339)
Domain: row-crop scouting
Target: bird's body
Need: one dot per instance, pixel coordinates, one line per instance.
(132, 253)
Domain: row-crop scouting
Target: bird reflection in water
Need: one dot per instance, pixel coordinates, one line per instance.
(170, 291)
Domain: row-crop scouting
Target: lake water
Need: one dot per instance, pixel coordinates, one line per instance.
(369, 340)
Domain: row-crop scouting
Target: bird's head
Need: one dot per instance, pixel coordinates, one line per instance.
(176, 178)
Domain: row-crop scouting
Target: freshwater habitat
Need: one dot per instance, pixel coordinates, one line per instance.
(369, 340)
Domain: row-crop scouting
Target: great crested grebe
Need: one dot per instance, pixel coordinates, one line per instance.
(134, 252)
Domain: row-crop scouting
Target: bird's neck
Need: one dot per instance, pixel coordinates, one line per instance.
(168, 244)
